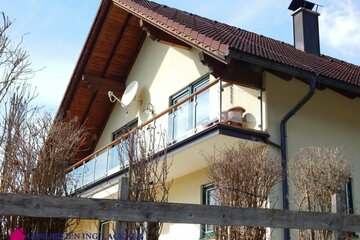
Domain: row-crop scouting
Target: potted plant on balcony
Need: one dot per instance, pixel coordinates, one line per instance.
(235, 115)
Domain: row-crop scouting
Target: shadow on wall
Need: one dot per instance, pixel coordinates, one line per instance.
(195, 58)
(145, 97)
(149, 61)
(154, 62)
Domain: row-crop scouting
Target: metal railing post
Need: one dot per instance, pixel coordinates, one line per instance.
(94, 173)
(107, 161)
(220, 99)
(83, 174)
(194, 112)
(172, 117)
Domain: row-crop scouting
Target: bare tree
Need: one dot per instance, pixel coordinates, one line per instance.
(243, 176)
(35, 150)
(144, 151)
(14, 60)
(318, 173)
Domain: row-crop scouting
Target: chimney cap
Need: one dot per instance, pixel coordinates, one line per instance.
(296, 4)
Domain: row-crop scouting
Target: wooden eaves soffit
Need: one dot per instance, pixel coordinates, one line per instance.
(104, 64)
(160, 36)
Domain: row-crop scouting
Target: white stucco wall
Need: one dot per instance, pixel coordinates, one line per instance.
(327, 120)
(187, 189)
(161, 71)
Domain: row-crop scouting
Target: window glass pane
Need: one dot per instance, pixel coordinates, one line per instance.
(118, 157)
(89, 168)
(349, 206)
(114, 160)
(125, 129)
(101, 165)
(104, 230)
(202, 104)
(191, 114)
(74, 179)
(181, 116)
(123, 153)
(118, 154)
(209, 195)
(182, 120)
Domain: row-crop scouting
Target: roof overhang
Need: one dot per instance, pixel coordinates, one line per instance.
(287, 72)
(104, 64)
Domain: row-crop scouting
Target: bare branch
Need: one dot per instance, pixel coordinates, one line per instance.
(244, 176)
(34, 156)
(317, 173)
(14, 60)
(148, 172)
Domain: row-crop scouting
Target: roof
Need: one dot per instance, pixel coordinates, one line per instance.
(116, 38)
(219, 38)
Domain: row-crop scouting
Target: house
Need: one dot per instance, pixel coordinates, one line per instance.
(237, 86)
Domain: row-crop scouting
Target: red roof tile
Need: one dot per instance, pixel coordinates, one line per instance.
(221, 37)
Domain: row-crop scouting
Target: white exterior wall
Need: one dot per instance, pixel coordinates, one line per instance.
(187, 189)
(327, 120)
(161, 71)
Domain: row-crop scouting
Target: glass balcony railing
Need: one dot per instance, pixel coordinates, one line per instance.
(217, 102)
(107, 162)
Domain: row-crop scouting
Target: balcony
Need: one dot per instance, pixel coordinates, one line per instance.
(212, 104)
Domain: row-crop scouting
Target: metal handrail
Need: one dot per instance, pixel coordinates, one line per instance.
(118, 140)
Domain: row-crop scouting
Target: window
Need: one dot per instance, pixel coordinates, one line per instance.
(124, 129)
(192, 113)
(119, 153)
(349, 205)
(104, 230)
(209, 198)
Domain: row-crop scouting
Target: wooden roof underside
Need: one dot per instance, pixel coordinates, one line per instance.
(106, 60)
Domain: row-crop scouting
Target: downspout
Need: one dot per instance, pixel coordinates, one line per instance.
(295, 109)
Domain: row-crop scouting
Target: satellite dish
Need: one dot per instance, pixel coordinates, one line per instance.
(130, 93)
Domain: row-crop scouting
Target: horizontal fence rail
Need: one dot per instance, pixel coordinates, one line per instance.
(107, 209)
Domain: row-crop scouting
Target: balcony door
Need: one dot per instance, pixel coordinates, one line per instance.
(189, 115)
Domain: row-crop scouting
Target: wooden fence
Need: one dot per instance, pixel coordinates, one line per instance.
(120, 210)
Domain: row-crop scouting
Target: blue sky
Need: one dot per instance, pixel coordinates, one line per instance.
(58, 29)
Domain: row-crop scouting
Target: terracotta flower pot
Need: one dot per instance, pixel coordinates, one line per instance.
(235, 114)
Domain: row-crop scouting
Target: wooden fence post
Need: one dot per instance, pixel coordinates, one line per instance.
(336, 207)
(123, 194)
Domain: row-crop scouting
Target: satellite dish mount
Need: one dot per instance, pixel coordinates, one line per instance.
(128, 96)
